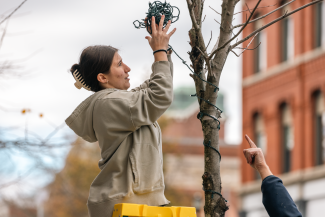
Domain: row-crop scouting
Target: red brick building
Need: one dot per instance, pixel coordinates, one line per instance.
(283, 105)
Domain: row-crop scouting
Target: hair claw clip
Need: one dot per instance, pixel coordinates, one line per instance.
(79, 81)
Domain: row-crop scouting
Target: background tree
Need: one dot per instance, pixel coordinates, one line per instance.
(207, 71)
(69, 191)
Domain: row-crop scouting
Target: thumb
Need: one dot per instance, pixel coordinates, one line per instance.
(148, 38)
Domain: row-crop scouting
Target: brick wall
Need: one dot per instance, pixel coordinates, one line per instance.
(292, 82)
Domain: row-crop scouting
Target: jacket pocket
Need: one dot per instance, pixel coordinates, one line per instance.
(146, 168)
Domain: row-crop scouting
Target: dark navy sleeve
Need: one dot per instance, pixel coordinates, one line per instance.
(276, 199)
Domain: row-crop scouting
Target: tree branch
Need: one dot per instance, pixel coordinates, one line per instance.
(271, 23)
(209, 41)
(192, 15)
(214, 10)
(7, 17)
(261, 17)
(257, 8)
(3, 34)
(196, 26)
(235, 36)
(246, 48)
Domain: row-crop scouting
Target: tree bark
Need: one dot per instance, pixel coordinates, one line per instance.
(215, 204)
(207, 93)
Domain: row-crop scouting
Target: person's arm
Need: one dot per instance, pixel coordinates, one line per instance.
(146, 82)
(148, 104)
(276, 199)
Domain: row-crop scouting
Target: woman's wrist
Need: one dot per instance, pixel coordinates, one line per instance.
(160, 56)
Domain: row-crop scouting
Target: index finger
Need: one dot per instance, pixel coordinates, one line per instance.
(250, 142)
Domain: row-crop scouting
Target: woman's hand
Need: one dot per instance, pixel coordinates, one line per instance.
(159, 38)
(254, 157)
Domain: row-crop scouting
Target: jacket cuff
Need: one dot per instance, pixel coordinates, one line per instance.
(161, 67)
(169, 57)
(269, 181)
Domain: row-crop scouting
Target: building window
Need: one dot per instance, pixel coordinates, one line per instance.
(319, 132)
(287, 36)
(319, 24)
(259, 136)
(260, 53)
(287, 136)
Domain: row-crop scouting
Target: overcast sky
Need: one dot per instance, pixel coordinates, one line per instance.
(46, 37)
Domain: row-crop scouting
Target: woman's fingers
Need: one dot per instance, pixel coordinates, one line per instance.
(148, 38)
(153, 25)
(250, 155)
(167, 27)
(250, 142)
(161, 23)
(172, 32)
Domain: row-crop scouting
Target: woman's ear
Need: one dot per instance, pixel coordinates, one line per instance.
(102, 78)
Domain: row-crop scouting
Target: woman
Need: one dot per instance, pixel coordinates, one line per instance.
(124, 124)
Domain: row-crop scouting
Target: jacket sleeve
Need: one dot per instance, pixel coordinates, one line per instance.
(276, 199)
(146, 82)
(148, 104)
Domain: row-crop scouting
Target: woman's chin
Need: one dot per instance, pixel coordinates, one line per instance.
(127, 86)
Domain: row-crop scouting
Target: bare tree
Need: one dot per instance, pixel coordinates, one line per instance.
(30, 144)
(207, 84)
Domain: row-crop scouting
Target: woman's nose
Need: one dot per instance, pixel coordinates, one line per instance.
(127, 69)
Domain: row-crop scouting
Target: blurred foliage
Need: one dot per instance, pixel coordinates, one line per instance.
(178, 197)
(163, 122)
(69, 191)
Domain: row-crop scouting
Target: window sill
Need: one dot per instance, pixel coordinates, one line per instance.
(282, 67)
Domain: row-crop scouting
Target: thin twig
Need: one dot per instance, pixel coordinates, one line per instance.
(246, 48)
(274, 21)
(7, 17)
(204, 55)
(209, 41)
(234, 53)
(235, 36)
(261, 17)
(257, 8)
(203, 18)
(214, 10)
(217, 22)
(248, 8)
(4, 33)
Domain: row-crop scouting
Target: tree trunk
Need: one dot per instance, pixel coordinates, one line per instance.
(215, 204)
(207, 91)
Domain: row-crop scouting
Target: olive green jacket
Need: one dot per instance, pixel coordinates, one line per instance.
(124, 124)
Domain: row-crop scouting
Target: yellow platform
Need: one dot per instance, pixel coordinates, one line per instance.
(140, 210)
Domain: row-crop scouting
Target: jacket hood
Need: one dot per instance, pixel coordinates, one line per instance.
(81, 119)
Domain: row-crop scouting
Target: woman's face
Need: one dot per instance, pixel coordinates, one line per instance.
(118, 76)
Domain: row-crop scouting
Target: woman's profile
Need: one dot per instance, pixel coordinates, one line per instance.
(124, 123)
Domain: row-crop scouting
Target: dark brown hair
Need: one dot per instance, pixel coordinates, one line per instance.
(94, 60)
